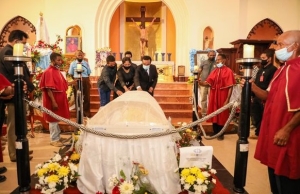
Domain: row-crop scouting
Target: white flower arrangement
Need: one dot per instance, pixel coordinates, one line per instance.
(137, 184)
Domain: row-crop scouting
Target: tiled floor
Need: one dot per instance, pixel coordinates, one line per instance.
(224, 151)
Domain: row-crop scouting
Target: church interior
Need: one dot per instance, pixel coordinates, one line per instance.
(179, 38)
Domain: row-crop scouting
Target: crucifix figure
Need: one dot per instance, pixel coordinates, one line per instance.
(142, 28)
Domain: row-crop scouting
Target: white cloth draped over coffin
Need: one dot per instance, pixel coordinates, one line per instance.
(134, 112)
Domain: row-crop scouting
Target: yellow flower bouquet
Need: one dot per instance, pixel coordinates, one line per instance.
(57, 173)
(198, 180)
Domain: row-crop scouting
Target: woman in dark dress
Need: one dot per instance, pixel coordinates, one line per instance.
(125, 75)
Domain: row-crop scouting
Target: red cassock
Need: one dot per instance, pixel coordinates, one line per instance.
(54, 80)
(282, 103)
(4, 82)
(220, 81)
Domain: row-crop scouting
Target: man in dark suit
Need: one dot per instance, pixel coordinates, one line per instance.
(146, 76)
(7, 70)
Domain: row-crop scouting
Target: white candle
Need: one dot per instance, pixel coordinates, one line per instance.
(79, 66)
(196, 68)
(248, 51)
(18, 49)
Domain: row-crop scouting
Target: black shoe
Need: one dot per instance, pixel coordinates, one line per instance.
(2, 178)
(220, 138)
(3, 169)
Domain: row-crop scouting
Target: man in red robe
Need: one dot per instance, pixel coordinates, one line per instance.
(279, 140)
(220, 81)
(6, 92)
(54, 87)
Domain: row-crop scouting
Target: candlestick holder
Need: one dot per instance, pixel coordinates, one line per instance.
(242, 144)
(163, 56)
(156, 56)
(195, 99)
(169, 56)
(121, 56)
(79, 98)
(114, 54)
(22, 146)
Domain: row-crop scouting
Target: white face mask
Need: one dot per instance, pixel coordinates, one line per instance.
(219, 65)
(146, 67)
(283, 54)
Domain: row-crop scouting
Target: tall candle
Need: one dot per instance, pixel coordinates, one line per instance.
(248, 51)
(18, 49)
(79, 66)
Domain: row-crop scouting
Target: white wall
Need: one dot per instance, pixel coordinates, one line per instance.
(230, 19)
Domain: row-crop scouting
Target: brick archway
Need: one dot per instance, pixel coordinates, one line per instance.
(17, 23)
(266, 29)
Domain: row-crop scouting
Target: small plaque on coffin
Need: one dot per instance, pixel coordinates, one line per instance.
(195, 156)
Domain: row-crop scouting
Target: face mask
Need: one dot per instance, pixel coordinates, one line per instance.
(283, 54)
(128, 67)
(146, 67)
(79, 60)
(111, 67)
(219, 65)
(263, 62)
(212, 59)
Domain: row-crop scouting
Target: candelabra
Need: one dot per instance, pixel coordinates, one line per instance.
(163, 56)
(22, 147)
(169, 56)
(79, 97)
(156, 56)
(195, 99)
(242, 145)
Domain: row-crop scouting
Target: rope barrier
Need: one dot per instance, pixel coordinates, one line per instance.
(230, 118)
(137, 136)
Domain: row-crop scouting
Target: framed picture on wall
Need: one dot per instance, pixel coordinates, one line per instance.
(73, 43)
(199, 57)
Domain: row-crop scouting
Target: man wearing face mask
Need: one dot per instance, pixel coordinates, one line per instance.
(145, 77)
(206, 68)
(221, 80)
(107, 80)
(278, 142)
(86, 84)
(262, 80)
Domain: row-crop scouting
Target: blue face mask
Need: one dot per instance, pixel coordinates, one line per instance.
(283, 54)
(146, 67)
(219, 65)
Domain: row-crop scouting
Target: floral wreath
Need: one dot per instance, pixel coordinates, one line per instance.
(104, 52)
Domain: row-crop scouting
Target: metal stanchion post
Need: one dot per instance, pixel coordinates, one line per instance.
(22, 147)
(79, 98)
(195, 100)
(242, 145)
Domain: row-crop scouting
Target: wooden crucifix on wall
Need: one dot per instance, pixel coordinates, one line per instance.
(142, 27)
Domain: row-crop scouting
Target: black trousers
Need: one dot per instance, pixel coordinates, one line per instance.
(217, 128)
(2, 115)
(86, 87)
(282, 184)
(257, 110)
